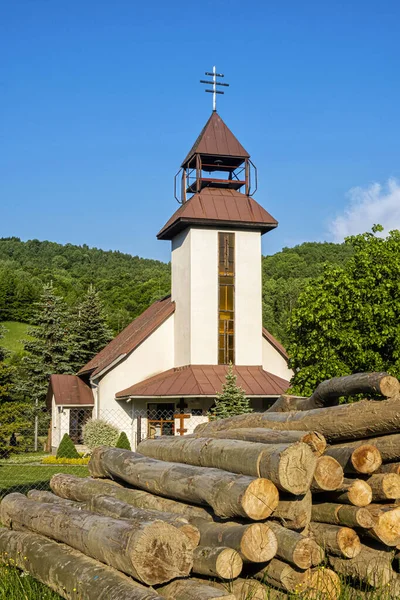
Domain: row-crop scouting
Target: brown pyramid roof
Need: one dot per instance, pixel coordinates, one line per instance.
(215, 207)
(130, 337)
(216, 139)
(206, 380)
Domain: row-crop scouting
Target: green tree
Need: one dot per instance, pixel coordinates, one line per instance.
(67, 449)
(6, 373)
(49, 351)
(90, 332)
(123, 442)
(232, 400)
(348, 319)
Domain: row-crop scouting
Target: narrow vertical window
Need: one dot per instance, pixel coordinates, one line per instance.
(226, 285)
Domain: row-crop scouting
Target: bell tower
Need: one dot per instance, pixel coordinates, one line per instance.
(216, 252)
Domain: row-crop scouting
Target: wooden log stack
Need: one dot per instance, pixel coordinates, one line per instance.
(257, 506)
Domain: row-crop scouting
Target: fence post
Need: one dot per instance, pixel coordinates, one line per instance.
(36, 425)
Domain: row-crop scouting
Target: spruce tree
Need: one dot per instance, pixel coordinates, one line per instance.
(90, 331)
(232, 400)
(67, 449)
(6, 373)
(49, 350)
(123, 442)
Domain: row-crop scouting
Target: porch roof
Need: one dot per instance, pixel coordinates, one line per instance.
(206, 380)
(69, 390)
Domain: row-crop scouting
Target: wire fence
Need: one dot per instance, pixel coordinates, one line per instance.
(24, 453)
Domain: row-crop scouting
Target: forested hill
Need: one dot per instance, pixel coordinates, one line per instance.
(128, 284)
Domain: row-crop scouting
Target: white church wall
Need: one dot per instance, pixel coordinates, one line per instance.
(180, 293)
(248, 303)
(274, 362)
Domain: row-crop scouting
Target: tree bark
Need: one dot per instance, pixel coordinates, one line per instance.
(255, 543)
(293, 512)
(337, 423)
(287, 403)
(341, 541)
(289, 466)
(283, 576)
(328, 475)
(329, 391)
(352, 491)
(339, 514)
(296, 549)
(82, 489)
(152, 552)
(364, 459)
(387, 527)
(384, 486)
(370, 565)
(388, 446)
(314, 439)
(192, 589)
(217, 561)
(228, 494)
(48, 497)
(68, 572)
(390, 468)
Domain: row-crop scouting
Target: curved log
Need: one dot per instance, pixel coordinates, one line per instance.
(68, 572)
(255, 543)
(83, 489)
(328, 475)
(296, 549)
(228, 494)
(337, 423)
(314, 439)
(217, 561)
(152, 552)
(293, 512)
(364, 459)
(329, 391)
(341, 541)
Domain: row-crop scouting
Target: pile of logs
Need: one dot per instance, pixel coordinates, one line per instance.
(254, 507)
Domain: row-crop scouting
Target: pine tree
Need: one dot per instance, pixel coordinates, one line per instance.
(49, 351)
(232, 400)
(123, 441)
(90, 330)
(6, 373)
(67, 449)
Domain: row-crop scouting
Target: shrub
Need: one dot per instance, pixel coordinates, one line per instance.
(97, 432)
(123, 441)
(66, 449)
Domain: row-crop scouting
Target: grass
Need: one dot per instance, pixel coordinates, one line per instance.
(15, 333)
(16, 585)
(23, 477)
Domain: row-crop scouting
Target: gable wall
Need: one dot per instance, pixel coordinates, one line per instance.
(274, 362)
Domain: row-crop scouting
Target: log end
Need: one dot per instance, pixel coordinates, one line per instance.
(324, 584)
(359, 493)
(260, 499)
(296, 468)
(366, 459)
(316, 441)
(228, 564)
(387, 529)
(259, 543)
(348, 542)
(389, 386)
(391, 486)
(328, 474)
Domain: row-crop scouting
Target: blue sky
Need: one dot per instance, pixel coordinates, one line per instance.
(100, 101)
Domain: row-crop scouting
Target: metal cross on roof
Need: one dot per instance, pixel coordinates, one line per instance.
(214, 84)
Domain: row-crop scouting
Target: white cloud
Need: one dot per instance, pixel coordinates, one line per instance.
(366, 207)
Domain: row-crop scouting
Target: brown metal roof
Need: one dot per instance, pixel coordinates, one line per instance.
(274, 342)
(218, 208)
(216, 139)
(130, 337)
(69, 390)
(206, 380)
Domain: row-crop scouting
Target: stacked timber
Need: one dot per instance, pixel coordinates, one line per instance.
(257, 506)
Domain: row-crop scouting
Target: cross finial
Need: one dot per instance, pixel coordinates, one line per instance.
(214, 84)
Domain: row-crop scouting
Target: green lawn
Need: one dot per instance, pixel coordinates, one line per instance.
(22, 477)
(16, 585)
(16, 332)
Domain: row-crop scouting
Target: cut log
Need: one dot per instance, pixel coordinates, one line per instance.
(217, 561)
(352, 491)
(287, 403)
(68, 572)
(339, 514)
(388, 446)
(255, 542)
(293, 512)
(384, 486)
(337, 423)
(289, 466)
(83, 489)
(249, 589)
(43, 496)
(296, 549)
(323, 584)
(283, 576)
(315, 440)
(153, 552)
(370, 565)
(192, 589)
(328, 475)
(364, 459)
(387, 527)
(228, 494)
(390, 468)
(341, 541)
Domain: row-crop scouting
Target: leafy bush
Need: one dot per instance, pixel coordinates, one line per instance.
(97, 432)
(66, 449)
(123, 441)
(53, 460)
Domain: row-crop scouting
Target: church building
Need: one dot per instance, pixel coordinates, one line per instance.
(161, 374)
